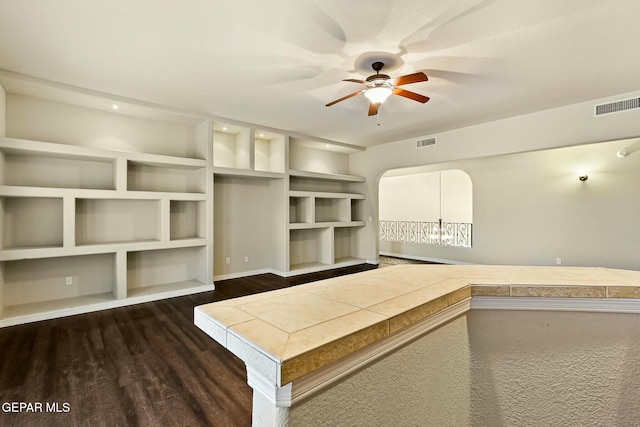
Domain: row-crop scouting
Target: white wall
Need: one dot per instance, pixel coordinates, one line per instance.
(566, 126)
(495, 368)
(426, 196)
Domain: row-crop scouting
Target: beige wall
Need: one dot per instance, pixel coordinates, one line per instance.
(425, 383)
(248, 223)
(537, 216)
(554, 368)
(42, 120)
(3, 114)
(496, 368)
(530, 208)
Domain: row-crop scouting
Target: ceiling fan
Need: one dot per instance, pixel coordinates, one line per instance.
(380, 86)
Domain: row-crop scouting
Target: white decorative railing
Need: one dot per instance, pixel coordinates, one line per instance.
(428, 233)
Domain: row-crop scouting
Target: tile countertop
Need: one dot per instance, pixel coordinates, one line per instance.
(288, 333)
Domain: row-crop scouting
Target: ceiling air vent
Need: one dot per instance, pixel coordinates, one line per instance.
(425, 142)
(617, 106)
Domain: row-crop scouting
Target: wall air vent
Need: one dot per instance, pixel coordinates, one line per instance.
(617, 106)
(425, 142)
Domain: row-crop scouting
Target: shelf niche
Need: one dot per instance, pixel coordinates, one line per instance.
(36, 285)
(332, 210)
(32, 169)
(31, 222)
(143, 176)
(270, 151)
(310, 248)
(345, 244)
(161, 270)
(231, 146)
(300, 210)
(100, 221)
(187, 219)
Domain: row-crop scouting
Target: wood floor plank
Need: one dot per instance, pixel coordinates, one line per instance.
(143, 365)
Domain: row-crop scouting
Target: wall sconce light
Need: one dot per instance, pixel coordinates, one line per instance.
(583, 177)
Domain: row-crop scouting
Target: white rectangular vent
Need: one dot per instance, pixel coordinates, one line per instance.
(617, 106)
(425, 142)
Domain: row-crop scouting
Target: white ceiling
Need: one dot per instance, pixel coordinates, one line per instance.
(277, 63)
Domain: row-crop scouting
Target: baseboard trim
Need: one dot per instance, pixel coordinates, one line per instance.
(426, 259)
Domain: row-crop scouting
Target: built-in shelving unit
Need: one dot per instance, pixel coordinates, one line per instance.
(325, 211)
(86, 228)
(103, 207)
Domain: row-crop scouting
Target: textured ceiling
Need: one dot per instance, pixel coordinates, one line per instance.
(278, 63)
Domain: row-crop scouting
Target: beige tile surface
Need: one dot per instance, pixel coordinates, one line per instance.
(264, 335)
(559, 291)
(326, 354)
(364, 292)
(490, 290)
(226, 315)
(306, 340)
(298, 310)
(416, 314)
(306, 327)
(623, 292)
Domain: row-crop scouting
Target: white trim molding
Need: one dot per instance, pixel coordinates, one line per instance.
(602, 305)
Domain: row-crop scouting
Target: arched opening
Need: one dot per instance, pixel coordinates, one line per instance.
(424, 208)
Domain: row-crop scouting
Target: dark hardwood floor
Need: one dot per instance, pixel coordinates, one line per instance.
(145, 365)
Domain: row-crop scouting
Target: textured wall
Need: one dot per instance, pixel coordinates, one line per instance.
(425, 383)
(496, 368)
(554, 368)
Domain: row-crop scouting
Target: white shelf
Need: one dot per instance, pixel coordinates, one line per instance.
(145, 176)
(326, 195)
(166, 289)
(32, 312)
(314, 267)
(245, 173)
(306, 226)
(326, 176)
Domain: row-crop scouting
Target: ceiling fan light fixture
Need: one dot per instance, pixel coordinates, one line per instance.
(377, 95)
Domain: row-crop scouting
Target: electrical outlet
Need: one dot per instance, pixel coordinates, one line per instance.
(558, 261)
(246, 259)
(227, 261)
(68, 280)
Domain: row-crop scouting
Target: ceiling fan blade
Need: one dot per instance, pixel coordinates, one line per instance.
(354, 81)
(373, 109)
(411, 95)
(411, 78)
(344, 97)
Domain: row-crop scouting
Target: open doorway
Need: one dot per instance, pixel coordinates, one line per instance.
(424, 208)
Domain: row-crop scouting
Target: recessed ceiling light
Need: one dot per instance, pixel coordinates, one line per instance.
(114, 106)
(224, 128)
(261, 135)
